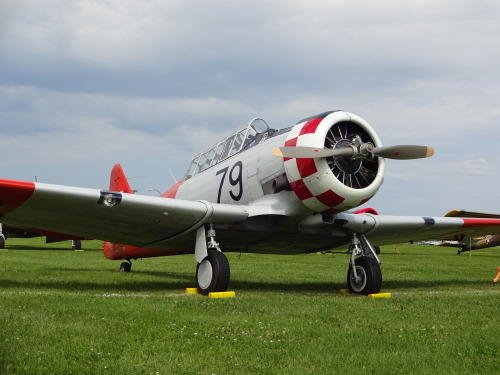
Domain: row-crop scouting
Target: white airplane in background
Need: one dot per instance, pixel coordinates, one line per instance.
(257, 190)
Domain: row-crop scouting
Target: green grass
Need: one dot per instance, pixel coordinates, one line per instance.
(65, 312)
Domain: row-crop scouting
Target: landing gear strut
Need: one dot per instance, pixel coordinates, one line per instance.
(212, 272)
(364, 275)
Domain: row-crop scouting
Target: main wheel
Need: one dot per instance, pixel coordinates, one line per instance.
(2, 241)
(212, 273)
(369, 276)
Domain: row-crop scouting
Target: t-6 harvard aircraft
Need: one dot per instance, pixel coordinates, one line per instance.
(467, 243)
(259, 190)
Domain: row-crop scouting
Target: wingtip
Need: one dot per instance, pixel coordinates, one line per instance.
(14, 194)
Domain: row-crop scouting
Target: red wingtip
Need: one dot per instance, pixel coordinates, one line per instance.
(13, 194)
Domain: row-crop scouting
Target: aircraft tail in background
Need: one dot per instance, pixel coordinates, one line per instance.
(118, 181)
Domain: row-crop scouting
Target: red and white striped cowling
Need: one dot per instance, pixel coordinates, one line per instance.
(312, 179)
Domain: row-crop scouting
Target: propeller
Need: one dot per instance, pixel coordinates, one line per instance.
(357, 150)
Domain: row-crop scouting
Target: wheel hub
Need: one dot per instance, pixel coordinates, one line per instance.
(359, 282)
(205, 274)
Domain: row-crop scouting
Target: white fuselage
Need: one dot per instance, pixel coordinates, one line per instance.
(240, 179)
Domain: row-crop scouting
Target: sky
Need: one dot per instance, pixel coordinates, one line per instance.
(85, 84)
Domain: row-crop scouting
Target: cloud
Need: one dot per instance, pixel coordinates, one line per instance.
(215, 48)
(53, 108)
(84, 152)
(151, 83)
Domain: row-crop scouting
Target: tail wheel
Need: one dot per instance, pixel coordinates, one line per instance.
(212, 273)
(369, 278)
(125, 266)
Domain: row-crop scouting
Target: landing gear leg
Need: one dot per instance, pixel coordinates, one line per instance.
(126, 266)
(212, 272)
(364, 275)
(462, 249)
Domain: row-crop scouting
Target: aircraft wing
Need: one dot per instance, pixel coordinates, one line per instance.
(111, 216)
(147, 221)
(397, 229)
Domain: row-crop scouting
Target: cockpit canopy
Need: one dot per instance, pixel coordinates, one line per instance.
(245, 137)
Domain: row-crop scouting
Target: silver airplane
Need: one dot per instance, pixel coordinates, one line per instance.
(257, 190)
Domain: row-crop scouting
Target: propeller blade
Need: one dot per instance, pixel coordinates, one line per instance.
(404, 152)
(401, 152)
(302, 152)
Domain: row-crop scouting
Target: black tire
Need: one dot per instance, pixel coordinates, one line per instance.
(377, 249)
(76, 245)
(212, 273)
(2, 242)
(125, 267)
(370, 275)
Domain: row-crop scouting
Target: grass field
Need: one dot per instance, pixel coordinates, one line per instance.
(66, 312)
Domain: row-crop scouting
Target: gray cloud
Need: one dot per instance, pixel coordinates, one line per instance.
(131, 81)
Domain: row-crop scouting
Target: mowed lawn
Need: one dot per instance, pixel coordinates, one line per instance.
(67, 312)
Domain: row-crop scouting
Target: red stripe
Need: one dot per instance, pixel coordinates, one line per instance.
(13, 194)
(310, 126)
(475, 222)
